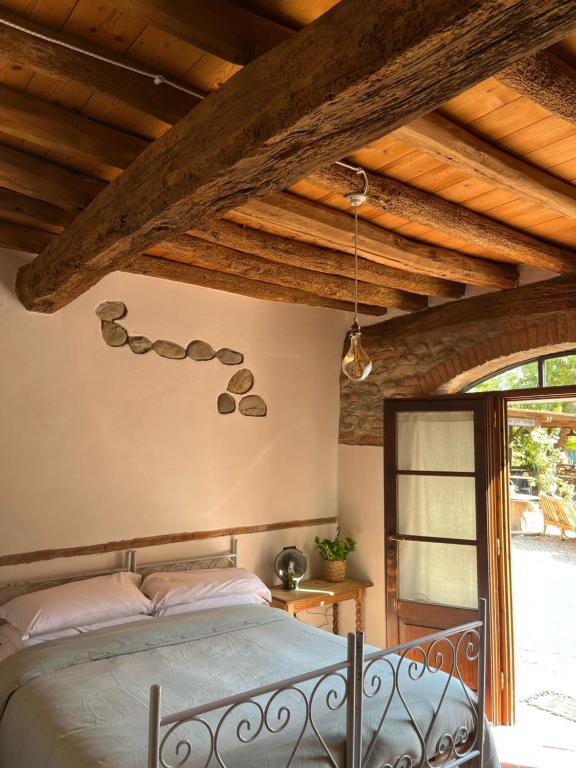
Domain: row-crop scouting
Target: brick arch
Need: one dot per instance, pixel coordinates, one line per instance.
(446, 348)
(493, 354)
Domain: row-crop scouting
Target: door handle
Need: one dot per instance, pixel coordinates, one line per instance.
(398, 539)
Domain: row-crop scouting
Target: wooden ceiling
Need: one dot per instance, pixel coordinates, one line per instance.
(457, 197)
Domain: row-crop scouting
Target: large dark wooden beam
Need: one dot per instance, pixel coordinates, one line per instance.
(452, 144)
(166, 269)
(283, 116)
(326, 226)
(327, 260)
(207, 255)
(70, 66)
(547, 81)
(218, 26)
(47, 125)
(46, 181)
(417, 205)
(22, 209)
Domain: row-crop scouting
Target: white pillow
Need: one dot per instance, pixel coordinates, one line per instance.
(226, 601)
(178, 587)
(77, 603)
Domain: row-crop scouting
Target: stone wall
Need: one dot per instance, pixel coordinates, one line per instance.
(443, 349)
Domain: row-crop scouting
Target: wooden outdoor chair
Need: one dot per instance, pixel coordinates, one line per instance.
(559, 513)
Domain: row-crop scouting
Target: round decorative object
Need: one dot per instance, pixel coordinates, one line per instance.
(241, 382)
(334, 570)
(226, 403)
(113, 334)
(200, 350)
(290, 566)
(111, 310)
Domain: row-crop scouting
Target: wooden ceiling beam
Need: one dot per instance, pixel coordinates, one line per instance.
(437, 136)
(46, 181)
(201, 253)
(283, 116)
(165, 269)
(417, 205)
(22, 238)
(326, 226)
(26, 210)
(321, 259)
(219, 27)
(70, 66)
(546, 80)
(47, 125)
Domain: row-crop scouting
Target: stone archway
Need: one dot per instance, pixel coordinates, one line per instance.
(446, 348)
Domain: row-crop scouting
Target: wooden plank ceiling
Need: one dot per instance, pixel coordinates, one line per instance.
(459, 197)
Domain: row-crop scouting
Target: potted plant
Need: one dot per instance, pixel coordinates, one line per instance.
(334, 553)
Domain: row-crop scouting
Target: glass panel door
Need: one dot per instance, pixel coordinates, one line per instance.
(435, 462)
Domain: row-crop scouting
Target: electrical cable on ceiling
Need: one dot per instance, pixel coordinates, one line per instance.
(156, 78)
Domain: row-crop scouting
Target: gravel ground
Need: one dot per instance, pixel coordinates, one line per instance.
(544, 591)
(544, 584)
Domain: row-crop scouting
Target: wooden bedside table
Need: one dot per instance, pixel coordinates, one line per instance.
(315, 593)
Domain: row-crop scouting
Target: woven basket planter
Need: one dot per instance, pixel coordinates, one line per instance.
(334, 570)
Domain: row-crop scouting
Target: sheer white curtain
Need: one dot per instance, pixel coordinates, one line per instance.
(438, 506)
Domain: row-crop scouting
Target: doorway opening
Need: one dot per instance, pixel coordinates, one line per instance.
(542, 493)
(541, 452)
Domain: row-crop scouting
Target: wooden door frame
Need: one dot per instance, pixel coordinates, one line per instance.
(503, 537)
(480, 405)
(500, 608)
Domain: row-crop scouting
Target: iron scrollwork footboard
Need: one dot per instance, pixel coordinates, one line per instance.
(346, 715)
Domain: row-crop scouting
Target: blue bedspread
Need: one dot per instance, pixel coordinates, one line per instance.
(83, 702)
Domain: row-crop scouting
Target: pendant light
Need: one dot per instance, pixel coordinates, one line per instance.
(356, 364)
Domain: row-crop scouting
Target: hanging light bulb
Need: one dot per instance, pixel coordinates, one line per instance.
(356, 364)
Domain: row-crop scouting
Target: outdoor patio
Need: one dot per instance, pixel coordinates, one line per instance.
(544, 584)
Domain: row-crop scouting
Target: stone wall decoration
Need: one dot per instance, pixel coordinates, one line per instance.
(200, 350)
(169, 349)
(113, 334)
(139, 344)
(230, 356)
(111, 310)
(241, 382)
(252, 405)
(226, 403)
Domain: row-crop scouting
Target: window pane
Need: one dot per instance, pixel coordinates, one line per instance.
(560, 371)
(521, 377)
(436, 440)
(437, 506)
(438, 573)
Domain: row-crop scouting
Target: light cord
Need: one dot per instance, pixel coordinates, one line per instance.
(356, 264)
(156, 78)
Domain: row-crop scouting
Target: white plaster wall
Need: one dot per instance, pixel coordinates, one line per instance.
(361, 515)
(99, 444)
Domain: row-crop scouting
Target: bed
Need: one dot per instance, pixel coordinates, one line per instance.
(242, 686)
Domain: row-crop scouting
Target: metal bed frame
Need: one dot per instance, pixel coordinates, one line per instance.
(347, 685)
(266, 710)
(229, 559)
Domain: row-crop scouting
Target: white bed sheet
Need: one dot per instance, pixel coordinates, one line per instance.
(11, 639)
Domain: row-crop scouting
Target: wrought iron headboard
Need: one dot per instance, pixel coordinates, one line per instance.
(12, 589)
(222, 560)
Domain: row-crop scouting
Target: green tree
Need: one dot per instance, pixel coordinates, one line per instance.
(536, 451)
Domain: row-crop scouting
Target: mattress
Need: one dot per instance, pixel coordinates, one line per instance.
(83, 702)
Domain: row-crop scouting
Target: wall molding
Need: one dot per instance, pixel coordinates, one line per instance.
(152, 541)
